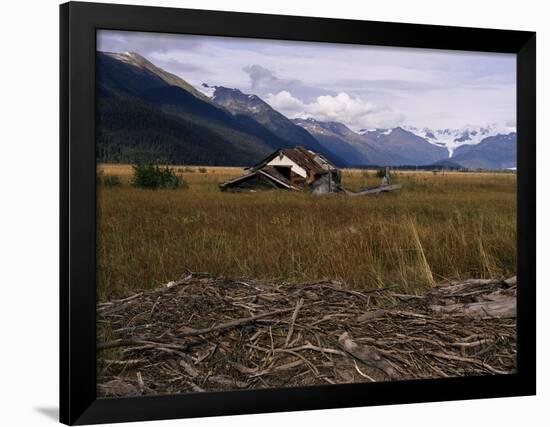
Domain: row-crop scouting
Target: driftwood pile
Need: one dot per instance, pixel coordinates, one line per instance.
(204, 333)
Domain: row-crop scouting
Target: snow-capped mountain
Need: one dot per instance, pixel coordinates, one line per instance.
(451, 139)
(494, 152)
(203, 124)
(484, 147)
(392, 147)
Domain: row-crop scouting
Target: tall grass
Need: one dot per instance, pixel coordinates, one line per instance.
(449, 225)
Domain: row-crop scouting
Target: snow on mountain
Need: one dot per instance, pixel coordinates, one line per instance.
(207, 90)
(453, 138)
(377, 131)
(449, 139)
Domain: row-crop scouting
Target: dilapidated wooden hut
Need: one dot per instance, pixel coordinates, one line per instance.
(295, 169)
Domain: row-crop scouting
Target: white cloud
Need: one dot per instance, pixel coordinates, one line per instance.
(342, 107)
(284, 101)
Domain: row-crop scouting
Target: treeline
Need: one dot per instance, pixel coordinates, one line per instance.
(129, 130)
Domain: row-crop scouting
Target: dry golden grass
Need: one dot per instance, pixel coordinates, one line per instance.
(439, 226)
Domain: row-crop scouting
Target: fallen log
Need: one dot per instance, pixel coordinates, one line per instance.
(367, 355)
(188, 332)
(502, 309)
(293, 320)
(373, 190)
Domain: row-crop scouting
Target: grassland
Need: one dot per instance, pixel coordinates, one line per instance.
(439, 226)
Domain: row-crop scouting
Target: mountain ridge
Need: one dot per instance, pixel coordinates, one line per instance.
(375, 147)
(253, 106)
(176, 126)
(179, 123)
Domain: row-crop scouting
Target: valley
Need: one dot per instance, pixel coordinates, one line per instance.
(145, 114)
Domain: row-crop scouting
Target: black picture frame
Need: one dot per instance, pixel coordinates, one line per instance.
(78, 25)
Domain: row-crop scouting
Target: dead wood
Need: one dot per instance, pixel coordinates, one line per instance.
(367, 355)
(503, 308)
(293, 319)
(206, 333)
(374, 190)
(188, 332)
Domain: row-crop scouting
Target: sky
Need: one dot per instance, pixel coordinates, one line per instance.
(361, 86)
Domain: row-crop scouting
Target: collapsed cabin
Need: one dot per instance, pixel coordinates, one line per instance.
(295, 169)
(300, 169)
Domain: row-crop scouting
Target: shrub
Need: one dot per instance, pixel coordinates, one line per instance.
(111, 181)
(106, 180)
(153, 176)
(381, 173)
(186, 169)
(203, 170)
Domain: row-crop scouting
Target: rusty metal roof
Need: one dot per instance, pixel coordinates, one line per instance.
(312, 162)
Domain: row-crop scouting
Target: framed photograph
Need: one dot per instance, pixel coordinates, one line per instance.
(267, 213)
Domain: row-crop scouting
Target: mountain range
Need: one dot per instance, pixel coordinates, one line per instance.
(467, 135)
(145, 113)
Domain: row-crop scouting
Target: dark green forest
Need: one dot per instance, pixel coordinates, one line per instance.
(141, 118)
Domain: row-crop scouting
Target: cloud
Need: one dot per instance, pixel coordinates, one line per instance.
(264, 81)
(390, 85)
(342, 107)
(145, 43)
(259, 75)
(284, 101)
